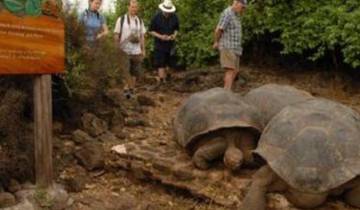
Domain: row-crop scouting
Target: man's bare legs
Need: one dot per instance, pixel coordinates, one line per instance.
(230, 75)
(162, 74)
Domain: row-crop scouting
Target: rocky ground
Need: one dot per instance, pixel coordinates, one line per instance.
(127, 158)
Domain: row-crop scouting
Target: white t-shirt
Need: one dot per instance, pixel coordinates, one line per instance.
(136, 27)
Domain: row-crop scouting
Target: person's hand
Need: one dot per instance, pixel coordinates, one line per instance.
(165, 37)
(216, 45)
(173, 37)
(99, 36)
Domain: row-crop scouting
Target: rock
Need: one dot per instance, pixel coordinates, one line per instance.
(68, 147)
(145, 100)
(14, 186)
(76, 183)
(24, 205)
(28, 186)
(80, 137)
(76, 180)
(7, 200)
(57, 127)
(119, 149)
(118, 118)
(59, 197)
(54, 198)
(115, 95)
(135, 122)
(91, 156)
(119, 132)
(93, 125)
(108, 137)
(161, 98)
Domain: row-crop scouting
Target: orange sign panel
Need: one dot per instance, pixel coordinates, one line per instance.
(31, 44)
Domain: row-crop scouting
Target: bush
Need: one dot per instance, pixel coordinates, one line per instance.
(318, 27)
(312, 29)
(91, 70)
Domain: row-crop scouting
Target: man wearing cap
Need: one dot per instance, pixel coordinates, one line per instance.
(228, 40)
(164, 27)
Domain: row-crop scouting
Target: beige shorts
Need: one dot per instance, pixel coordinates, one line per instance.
(229, 60)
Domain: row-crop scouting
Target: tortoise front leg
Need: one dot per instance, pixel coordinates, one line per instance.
(208, 152)
(352, 197)
(305, 200)
(255, 199)
(246, 143)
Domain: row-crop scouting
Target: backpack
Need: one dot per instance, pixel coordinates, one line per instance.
(122, 19)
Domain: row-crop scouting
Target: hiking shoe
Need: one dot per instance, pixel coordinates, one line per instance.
(129, 93)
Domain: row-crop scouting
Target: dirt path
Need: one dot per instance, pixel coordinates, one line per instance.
(118, 189)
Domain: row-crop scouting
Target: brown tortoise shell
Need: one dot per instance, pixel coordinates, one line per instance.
(313, 146)
(211, 110)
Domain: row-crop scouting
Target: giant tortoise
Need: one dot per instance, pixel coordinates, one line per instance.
(312, 151)
(270, 99)
(217, 123)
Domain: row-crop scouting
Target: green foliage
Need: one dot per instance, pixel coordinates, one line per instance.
(44, 200)
(15, 5)
(304, 26)
(33, 7)
(313, 29)
(27, 7)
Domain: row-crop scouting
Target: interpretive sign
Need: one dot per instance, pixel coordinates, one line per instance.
(31, 37)
(32, 42)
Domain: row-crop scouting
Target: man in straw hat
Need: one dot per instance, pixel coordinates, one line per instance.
(164, 27)
(228, 40)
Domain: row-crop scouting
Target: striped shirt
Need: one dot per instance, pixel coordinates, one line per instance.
(231, 25)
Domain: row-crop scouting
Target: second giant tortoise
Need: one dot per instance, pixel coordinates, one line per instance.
(312, 151)
(270, 99)
(218, 123)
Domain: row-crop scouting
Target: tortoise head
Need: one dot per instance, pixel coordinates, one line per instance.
(233, 158)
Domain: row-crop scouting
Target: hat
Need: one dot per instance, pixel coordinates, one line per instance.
(167, 6)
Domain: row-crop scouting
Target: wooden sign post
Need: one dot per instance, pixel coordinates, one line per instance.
(32, 42)
(43, 131)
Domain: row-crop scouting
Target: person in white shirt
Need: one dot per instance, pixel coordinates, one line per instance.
(130, 37)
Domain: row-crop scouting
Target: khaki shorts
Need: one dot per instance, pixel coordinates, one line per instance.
(229, 60)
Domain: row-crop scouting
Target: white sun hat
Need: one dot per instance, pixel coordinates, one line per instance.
(167, 6)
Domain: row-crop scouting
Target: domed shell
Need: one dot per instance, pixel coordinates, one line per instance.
(270, 99)
(314, 146)
(211, 110)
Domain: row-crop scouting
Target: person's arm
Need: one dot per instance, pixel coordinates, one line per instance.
(142, 40)
(117, 30)
(153, 30)
(223, 23)
(105, 29)
(159, 36)
(217, 36)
